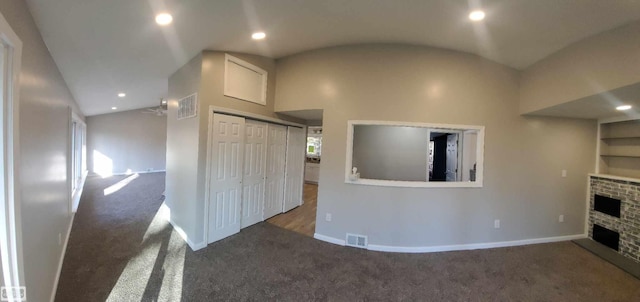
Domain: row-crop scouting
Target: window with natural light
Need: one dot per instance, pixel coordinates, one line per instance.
(78, 151)
(10, 54)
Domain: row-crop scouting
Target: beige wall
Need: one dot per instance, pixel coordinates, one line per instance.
(594, 65)
(187, 139)
(212, 83)
(44, 143)
(132, 140)
(524, 156)
(211, 93)
(391, 153)
(182, 149)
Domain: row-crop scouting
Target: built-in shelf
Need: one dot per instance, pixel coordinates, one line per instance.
(620, 137)
(619, 148)
(613, 155)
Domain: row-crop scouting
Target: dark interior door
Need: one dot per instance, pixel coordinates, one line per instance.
(439, 159)
(452, 157)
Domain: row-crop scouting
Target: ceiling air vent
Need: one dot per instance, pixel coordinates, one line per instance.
(188, 106)
(356, 240)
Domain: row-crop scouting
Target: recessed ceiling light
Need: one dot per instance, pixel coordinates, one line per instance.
(114, 108)
(476, 15)
(164, 19)
(258, 36)
(623, 107)
(122, 94)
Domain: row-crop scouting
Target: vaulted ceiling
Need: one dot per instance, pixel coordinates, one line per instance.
(106, 47)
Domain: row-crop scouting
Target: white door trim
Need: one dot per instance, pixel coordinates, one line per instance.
(253, 116)
(299, 172)
(10, 222)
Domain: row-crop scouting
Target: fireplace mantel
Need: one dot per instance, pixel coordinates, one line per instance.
(615, 177)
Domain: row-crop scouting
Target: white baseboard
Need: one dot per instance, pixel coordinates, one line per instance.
(181, 232)
(329, 239)
(61, 261)
(196, 246)
(458, 247)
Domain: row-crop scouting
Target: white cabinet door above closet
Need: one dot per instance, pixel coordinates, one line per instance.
(225, 182)
(276, 151)
(296, 143)
(255, 153)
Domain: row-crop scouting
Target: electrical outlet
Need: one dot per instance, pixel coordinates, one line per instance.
(561, 218)
(328, 217)
(496, 223)
(564, 173)
(59, 238)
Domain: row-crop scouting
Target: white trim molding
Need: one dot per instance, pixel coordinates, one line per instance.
(228, 60)
(75, 201)
(61, 261)
(10, 205)
(455, 247)
(615, 177)
(166, 213)
(185, 237)
(329, 239)
(252, 116)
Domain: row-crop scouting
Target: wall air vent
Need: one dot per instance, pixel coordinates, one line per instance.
(356, 240)
(188, 106)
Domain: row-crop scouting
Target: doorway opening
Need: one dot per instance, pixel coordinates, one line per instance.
(443, 156)
(303, 218)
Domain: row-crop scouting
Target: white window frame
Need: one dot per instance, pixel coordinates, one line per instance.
(10, 224)
(77, 154)
(415, 184)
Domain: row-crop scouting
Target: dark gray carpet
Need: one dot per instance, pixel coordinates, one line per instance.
(119, 252)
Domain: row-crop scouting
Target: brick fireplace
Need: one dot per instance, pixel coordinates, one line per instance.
(612, 196)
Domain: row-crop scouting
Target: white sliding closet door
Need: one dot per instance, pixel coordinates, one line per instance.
(296, 143)
(255, 154)
(276, 152)
(226, 176)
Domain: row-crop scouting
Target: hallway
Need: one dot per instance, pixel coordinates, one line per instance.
(303, 218)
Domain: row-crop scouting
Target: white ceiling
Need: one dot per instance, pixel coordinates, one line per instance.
(105, 47)
(599, 106)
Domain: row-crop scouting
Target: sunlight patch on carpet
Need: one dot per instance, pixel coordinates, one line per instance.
(135, 277)
(171, 289)
(119, 185)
